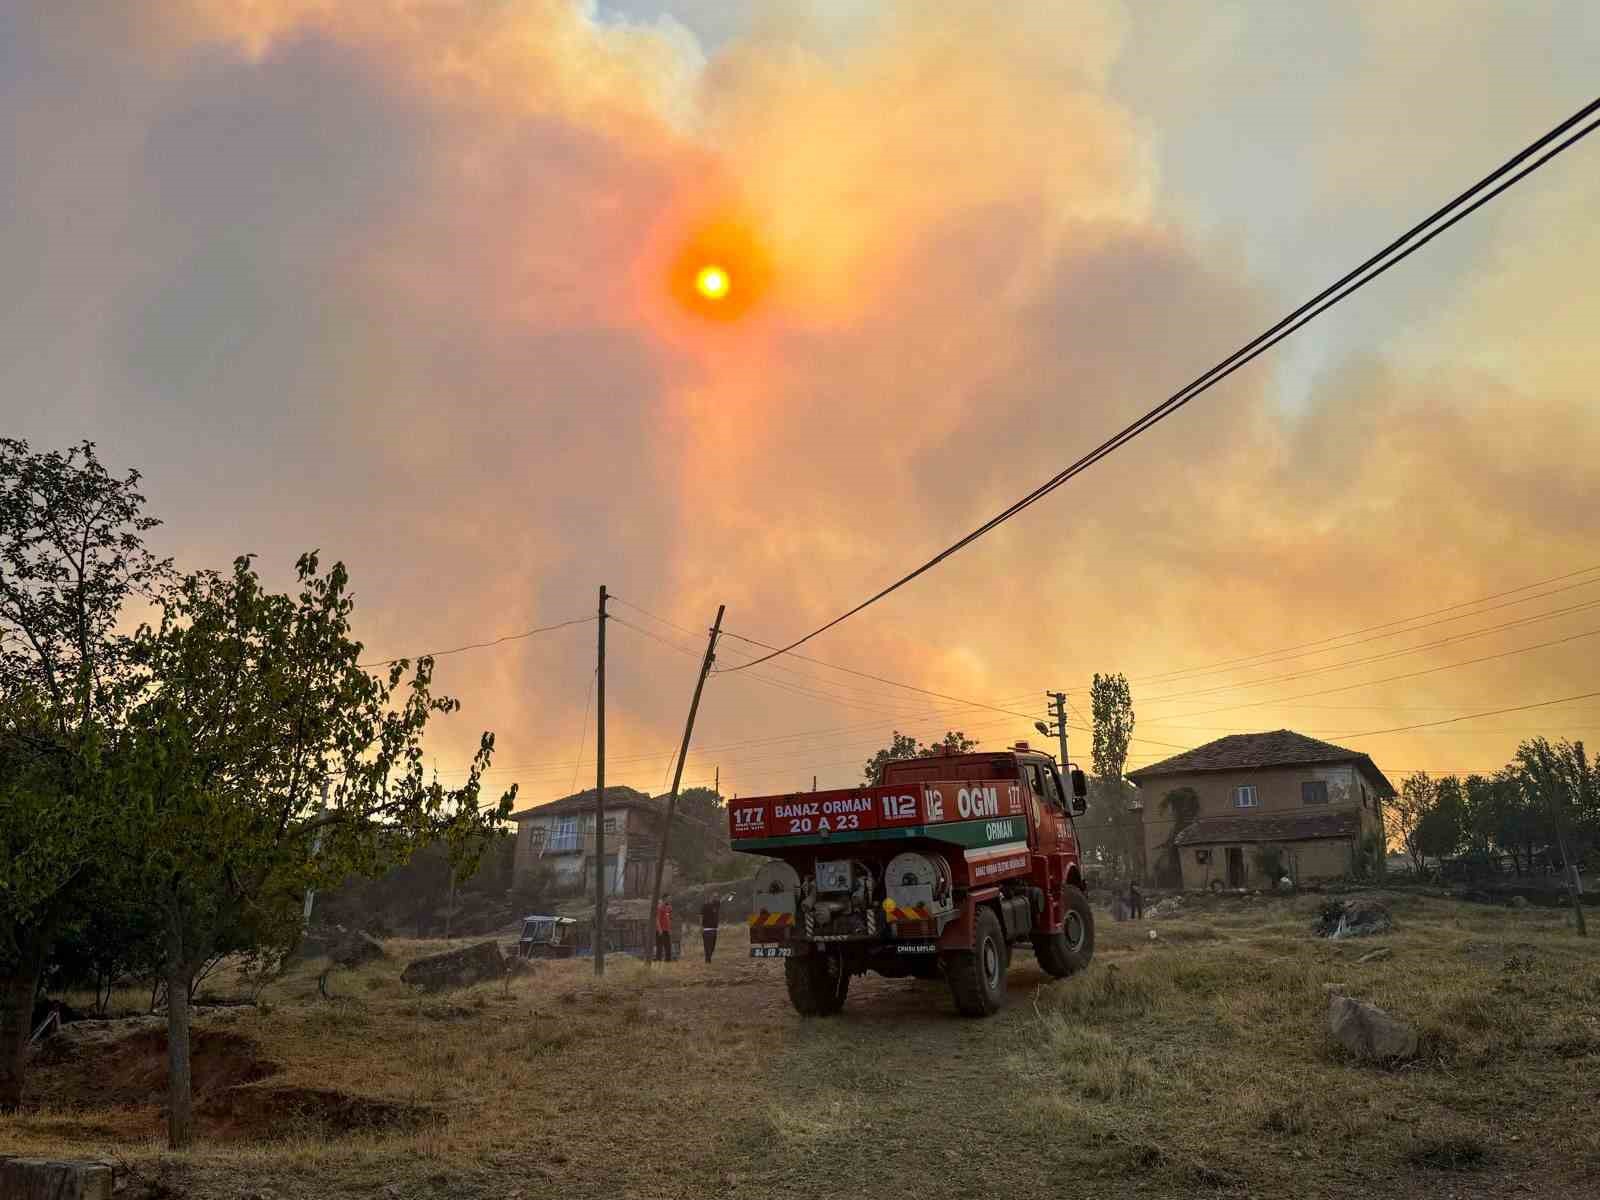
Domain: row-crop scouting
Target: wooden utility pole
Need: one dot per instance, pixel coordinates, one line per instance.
(600, 797)
(677, 774)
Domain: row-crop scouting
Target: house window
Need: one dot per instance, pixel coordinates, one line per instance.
(536, 836)
(1245, 797)
(1202, 856)
(611, 824)
(1363, 795)
(1314, 791)
(565, 836)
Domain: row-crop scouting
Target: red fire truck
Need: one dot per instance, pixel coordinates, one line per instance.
(939, 869)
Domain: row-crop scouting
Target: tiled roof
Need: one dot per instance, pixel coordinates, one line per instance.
(1244, 751)
(616, 797)
(1271, 827)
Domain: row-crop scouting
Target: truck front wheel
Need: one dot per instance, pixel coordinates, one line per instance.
(817, 983)
(978, 976)
(1069, 950)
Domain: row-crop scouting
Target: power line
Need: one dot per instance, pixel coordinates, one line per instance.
(874, 705)
(510, 637)
(583, 735)
(895, 683)
(1400, 652)
(1350, 687)
(1306, 648)
(1494, 712)
(1390, 256)
(876, 678)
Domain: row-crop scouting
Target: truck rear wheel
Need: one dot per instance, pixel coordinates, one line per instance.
(1071, 949)
(817, 983)
(978, 976)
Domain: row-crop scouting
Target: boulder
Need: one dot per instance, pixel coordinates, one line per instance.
(1353, 916)
(1518, 902)
(1368, 1032)
(30, 1178)
(455, 968)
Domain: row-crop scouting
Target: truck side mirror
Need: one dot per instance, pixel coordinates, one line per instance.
(1080, 792)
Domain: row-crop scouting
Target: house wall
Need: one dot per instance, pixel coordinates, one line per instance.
(1277, 791)
(631, 840)
(1319, 858)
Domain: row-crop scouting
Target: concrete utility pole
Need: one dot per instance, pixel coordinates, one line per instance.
(1058, 713)
(600, 797)
(683, 752)
(1568, 867)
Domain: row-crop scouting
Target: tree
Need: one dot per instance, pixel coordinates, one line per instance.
(1182, 806)
(699, 831)
(903, 745)
(1441, 829)
(1406, 812)
(1112, 703)
(72, 555)
(1557, 782)
(255, 701)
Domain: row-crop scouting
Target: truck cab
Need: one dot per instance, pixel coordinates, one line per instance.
(938, 869)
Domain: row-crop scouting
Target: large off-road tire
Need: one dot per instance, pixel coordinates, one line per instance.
(817, 984)
(978, 976)
(1071, 949)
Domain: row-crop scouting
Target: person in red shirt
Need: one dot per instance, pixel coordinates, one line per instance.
(664, 930)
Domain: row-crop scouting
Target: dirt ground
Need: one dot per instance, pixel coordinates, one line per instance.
(1196, 1063)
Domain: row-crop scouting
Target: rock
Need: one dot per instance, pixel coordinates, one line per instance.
(1353, 916)
(455, 968)
(1378, 955)
(42, 1179)
(1368, 1032)
(356, 948)
(1518, 902)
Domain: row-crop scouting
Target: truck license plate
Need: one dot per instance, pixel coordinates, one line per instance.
(770, 951)
(915, 948)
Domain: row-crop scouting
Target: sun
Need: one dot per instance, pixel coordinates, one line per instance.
(712, 282)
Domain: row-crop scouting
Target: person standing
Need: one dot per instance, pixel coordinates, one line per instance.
(710, 922)
(664, 930)
(1135, 901)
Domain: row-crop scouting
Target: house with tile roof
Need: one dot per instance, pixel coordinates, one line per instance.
(1263, 803)
(559, 838)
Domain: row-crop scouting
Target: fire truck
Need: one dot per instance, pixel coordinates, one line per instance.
(941, 868)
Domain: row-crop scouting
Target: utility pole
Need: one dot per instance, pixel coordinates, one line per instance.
(716, 780)
(813, 783)
(1058, 714)
(677, 774)
(1568, 867)
(600, 797)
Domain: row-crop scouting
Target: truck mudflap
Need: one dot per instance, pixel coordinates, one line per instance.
(961, 934)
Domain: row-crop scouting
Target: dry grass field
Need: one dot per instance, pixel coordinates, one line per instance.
(1194, 1064)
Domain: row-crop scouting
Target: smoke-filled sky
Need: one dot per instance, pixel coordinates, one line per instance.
(412, 281)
